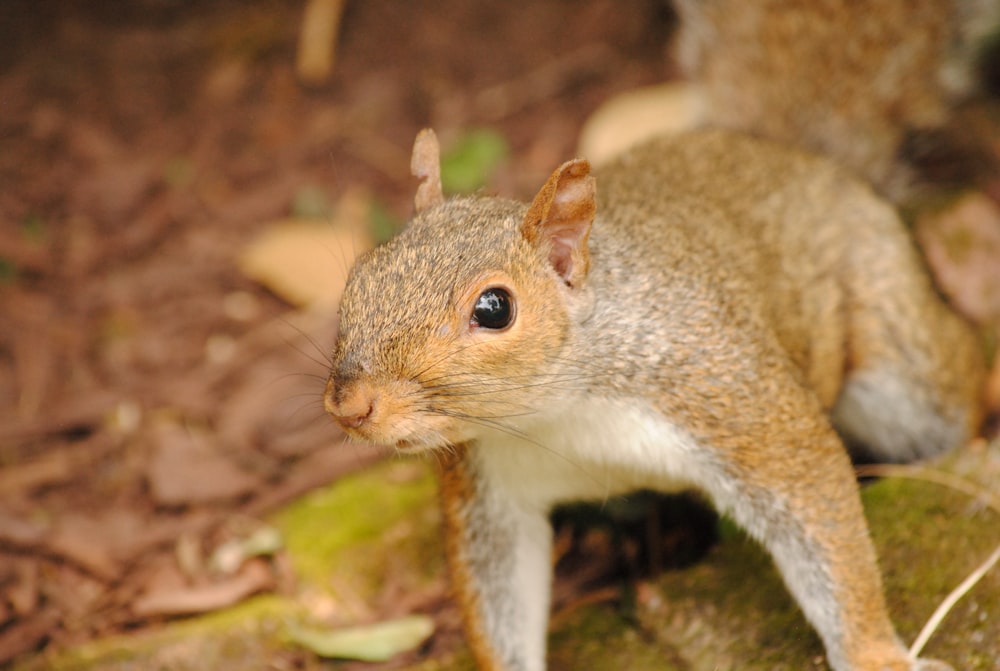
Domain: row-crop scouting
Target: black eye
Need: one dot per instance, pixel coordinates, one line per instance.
(494, 309)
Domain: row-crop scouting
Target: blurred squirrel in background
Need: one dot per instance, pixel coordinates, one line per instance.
(873, 85)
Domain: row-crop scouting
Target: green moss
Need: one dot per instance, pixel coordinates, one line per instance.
(728, 611)
(929, 539)
(467, 164)
(363, 524)
(240, 631)
(357, 532)
(732, 610)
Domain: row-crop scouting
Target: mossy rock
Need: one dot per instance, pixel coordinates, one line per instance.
(731, 610)
(348, 537)
(728, 611)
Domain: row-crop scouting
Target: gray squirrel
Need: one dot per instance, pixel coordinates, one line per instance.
(709, 310)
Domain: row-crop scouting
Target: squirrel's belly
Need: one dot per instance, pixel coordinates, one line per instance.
(593, 450)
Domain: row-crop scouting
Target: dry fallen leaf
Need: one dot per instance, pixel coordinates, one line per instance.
(962, 244)
(228, 557)
(27, 633)
(306, 261)
(186, 469)
(318, 40)
(639, 115)
(57, 466)
(371, 643)
(253, 577)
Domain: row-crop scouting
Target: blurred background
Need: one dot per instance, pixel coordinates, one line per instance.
(183, 186)
(155, 395)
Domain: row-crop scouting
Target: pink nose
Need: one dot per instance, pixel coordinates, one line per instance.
(353, 419)
(352, 408)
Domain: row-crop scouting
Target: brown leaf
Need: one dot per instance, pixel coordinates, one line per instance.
(118, 533)
(635, 116)
(306, 261)
(23, 594)
(269, 410)
(79, 539)
(21, 533)
(253, 577)
(27, 634)
(54, 467)
(187, 469)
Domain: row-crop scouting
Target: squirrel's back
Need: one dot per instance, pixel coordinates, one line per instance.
(753, 231)
(713, 232)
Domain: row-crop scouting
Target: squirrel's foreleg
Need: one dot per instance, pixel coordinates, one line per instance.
(806, 510)
(499, 555)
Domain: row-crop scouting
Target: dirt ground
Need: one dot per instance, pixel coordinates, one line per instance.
(153, 398)
(149, 392)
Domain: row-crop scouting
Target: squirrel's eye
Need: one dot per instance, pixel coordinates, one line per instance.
(494, 309)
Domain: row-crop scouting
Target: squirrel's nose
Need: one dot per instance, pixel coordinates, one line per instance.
(353, 418)
(350, 407)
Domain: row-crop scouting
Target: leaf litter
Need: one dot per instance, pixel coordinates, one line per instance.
(150, 390)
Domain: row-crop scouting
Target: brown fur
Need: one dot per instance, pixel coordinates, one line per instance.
(851, 80)
(742, 303)
(457, 489)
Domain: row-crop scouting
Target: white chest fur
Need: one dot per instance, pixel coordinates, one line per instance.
(575, 451)
(591, 450)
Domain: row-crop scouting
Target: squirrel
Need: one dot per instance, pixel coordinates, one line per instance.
(709, 310)
(876, 86)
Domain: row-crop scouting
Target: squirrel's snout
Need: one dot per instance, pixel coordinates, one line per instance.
(351, 406)
(382, 413)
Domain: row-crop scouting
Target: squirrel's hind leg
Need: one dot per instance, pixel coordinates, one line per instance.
(915, 374)
(887, 416)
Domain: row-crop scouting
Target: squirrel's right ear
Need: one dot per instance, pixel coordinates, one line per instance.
(560, 217)
(425, 164)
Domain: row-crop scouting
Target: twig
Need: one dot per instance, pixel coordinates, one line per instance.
(318, 40)
(959, 484)
(943, 478)
(942, 611)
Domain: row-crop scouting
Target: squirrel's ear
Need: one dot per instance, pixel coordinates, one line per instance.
(425, 164)
(560, 217)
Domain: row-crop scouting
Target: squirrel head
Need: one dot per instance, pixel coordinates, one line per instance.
(459, 323)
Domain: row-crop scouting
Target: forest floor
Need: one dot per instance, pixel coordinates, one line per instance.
(157, 402)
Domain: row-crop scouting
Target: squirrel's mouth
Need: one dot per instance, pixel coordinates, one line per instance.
(408, 445)
(415, 446)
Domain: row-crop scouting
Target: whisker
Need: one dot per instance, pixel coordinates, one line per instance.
(316, 377)
(432, 364)
(314, 398)
(525, 411)
(511, 431)
(446, 391)
(474, 378)
(324, 358)
(474, 388)
(315, 419)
